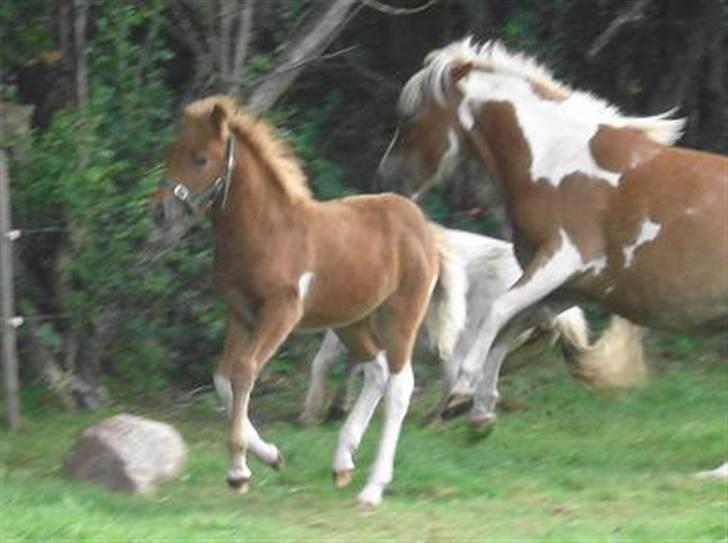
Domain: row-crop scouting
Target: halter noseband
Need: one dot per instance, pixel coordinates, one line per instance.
(210, 194)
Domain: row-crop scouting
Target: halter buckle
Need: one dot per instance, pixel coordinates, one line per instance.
(181, 192)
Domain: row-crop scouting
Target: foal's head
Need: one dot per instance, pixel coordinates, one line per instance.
(199, 166)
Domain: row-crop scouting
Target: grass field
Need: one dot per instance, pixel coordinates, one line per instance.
(563, 465)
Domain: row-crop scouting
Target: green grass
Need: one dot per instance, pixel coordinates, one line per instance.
(567, 465)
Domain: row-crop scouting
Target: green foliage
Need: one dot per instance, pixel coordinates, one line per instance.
(23, 31)
(568, 465)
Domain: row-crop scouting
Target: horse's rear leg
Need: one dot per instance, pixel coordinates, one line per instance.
(362, 345)
(402, 317)
(396, 403)
(325, 358)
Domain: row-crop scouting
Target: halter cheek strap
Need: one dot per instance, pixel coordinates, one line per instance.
(212, 193)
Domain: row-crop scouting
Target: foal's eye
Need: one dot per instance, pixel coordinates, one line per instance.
(200, 160)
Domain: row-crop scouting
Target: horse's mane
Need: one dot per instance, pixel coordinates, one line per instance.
(262, 139)
(435, 78)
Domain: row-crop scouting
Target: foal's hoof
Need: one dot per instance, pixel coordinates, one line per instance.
(343, 478)
(481, 426)
(279, 463)
(456, 405)
(239, 485)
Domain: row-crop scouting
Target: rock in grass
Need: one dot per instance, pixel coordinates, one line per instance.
(127, 453)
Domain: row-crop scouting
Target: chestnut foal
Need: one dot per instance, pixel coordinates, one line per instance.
(364, 266)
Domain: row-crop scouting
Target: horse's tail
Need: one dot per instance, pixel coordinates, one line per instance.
(615, 360)
(448, 307)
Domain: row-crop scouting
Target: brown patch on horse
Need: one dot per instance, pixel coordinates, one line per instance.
(659, 185)
(622, 149)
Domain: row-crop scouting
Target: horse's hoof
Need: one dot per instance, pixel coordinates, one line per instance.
(343, 478)
(481, 426)
(369, 498)
(239, 485)
(279, 463)
(456, 405)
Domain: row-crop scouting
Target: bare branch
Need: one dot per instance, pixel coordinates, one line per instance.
(631, 15)
(245, 24)
(224, 14)
(389, 10)
(309, 42)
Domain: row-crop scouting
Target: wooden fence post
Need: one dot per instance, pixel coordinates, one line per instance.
(11, 386)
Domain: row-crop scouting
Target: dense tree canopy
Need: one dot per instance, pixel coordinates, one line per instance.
(107, 80)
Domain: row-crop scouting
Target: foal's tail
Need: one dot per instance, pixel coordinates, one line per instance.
(448, 307)
(615, 360)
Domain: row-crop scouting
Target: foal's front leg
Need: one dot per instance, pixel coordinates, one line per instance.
(241, 363)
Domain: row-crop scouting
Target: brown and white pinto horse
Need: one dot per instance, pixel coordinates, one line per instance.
(602, 206)
(364, 266)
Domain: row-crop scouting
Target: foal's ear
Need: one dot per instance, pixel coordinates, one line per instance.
(218, 118)
(460, 69)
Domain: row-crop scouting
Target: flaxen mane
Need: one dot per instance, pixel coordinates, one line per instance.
(261, 139)
(434, 79)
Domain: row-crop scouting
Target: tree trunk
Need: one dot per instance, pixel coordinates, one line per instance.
(308, 43)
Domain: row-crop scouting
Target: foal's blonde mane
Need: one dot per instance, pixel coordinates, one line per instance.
(435, 78)
(262, 139)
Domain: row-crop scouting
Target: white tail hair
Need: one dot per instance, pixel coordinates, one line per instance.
(448, 308)
(615, 360)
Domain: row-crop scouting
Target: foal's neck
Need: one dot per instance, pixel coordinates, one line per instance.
(257, 207)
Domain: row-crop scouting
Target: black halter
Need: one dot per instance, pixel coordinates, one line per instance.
(211, 194)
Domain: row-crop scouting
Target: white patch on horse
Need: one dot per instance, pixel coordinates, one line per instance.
(557, 133)
(648, 232)
(224, 391)
(465, 114)
(596, 266)
(448, 160)
(719, 473)
(304, 284)
(567, 259)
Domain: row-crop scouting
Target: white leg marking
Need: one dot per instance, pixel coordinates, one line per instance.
(376, 373)
(396, 403)
(267, 452)
(238, 468)
(304, 284)
(325, 358)
(562, 265)
(224, 391)
(721, 472)
(648, 232)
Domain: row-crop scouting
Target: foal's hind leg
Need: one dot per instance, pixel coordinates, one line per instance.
(402, 316)
(325, 358)
(362, 344)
